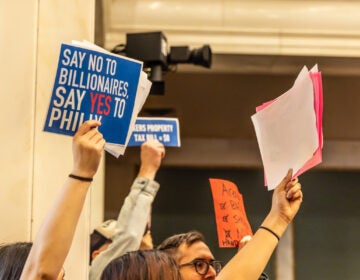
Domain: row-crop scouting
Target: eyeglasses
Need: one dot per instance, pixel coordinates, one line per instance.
(202, 266)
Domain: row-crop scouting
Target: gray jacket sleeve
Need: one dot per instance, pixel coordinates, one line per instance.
(130, 226)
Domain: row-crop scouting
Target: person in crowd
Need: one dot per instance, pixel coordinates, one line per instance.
(142, 265)
(53, 241)
(12, 259)
(196, 262)
(131, 231)
(202, 265)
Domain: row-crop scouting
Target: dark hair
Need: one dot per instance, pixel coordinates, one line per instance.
(171, 244)
(142, 265)
(96, 241)
(12, 259)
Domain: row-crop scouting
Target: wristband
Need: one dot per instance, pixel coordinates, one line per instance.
(85, 179)
(273, 233)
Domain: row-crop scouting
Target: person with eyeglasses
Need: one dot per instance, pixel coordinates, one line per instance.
(192, 254)
(202, 266)
(196, 262)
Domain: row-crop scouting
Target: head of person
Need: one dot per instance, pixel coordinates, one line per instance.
(192, 255)
(101, 238)
(142, 265)
(12, 259)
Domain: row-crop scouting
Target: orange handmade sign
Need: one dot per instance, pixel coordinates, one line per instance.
(231, 221)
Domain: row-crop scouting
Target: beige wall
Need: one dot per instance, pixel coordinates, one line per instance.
(34, 163)
(287, 27)
(17, 74)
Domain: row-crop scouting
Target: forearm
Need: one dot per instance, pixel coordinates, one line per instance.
(142, 209)
(55, 236)
(131, 224)
(147, 172)
(250, 261)
(134, 202)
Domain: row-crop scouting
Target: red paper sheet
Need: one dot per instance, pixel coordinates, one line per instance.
(231, 220)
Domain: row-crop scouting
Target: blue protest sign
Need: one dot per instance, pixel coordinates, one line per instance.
(93, 85)
(165, 130)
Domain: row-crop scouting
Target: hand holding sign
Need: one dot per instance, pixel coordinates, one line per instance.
(231, 221)
(289, 128)
(93, 84)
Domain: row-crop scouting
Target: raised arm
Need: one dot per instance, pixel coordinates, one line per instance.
(55, 236)
(251, 260)
(135, 211)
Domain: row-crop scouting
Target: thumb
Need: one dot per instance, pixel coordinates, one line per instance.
(86, 126)
(285, 180)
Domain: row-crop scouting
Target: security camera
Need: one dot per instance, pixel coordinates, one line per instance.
(152, 48)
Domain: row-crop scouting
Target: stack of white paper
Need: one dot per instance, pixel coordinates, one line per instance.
(288, 129)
